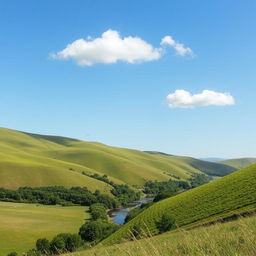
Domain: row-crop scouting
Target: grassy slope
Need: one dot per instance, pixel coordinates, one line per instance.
(232, 238)
(22, 224)
(38, 160)
(221, 198)
(239, 163)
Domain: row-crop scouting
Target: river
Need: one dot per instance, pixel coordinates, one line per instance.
(118, 215)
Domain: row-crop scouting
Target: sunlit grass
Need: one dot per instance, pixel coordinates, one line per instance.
(235, 238)
(22, 224)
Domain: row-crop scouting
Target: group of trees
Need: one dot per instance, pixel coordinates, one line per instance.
(96, 230)
(155, 187)
(61, 243)
(98, 211)
(198, 180)
(175, 186)
(123, 193)
(57, 195)
(98, 227)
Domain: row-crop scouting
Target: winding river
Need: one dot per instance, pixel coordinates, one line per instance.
(118, 215)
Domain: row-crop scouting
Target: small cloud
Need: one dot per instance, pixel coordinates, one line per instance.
(109, 48)
(178, 47)
(184, 99)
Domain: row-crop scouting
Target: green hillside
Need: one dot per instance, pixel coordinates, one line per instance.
(222, 239)
(38, 160)
(239, 163)
(235, 193)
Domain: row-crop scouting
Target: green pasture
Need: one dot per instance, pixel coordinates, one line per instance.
(22, 224)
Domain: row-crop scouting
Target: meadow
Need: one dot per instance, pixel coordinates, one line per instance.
(22, 224)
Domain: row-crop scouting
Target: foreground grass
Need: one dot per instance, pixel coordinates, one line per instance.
(22, 224)
(235, 238)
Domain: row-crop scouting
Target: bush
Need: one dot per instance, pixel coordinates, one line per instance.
(95, 231)
(98, 211)
(166, 223)
(57, 245)
(43, 245)
(65, 242)
(12, 254)
(164, 194)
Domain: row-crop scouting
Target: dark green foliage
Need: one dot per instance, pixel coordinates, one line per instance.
(125, 194)
(13, 254)
(164, 194)
(62, 243)
(95, 231)
(154, 187)
(73, 242)
(43, 245)
(57, 245)
(122, 192)
(56, 195)
(166, 223)
(198, 180)
(98, 211)
(65, 242)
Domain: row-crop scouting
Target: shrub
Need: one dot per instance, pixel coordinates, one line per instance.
(98, 211)
(166, 223)
(96, 230)
(43, 245)
(13, 254)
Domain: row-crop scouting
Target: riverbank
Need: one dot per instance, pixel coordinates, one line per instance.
(118, 215)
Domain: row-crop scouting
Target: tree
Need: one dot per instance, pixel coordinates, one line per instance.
(73, 241)
(43, 245)
(166, 223)
(98, 211)
(96, 230)
(13, 254)
(57, 245)
(91, 231)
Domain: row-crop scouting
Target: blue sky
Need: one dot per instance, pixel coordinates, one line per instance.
(124, 104)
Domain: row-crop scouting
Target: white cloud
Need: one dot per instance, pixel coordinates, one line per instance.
(179, 48)
(184, 99)
(109, 48)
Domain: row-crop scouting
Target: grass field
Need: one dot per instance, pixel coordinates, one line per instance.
(239, 163)
(37, 160)
(235, 238)
(22, 224)
(233, 194)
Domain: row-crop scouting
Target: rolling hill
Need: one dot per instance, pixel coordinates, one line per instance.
(233, 194)
(40, 160)
(239, 163)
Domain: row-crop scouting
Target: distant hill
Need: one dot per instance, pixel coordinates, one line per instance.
(239, 163)
(233, 194)
(212, 159)
(40, 160)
